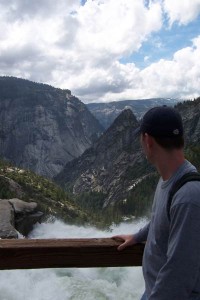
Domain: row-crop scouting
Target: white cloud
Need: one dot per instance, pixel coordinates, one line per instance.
(179, 77)
(80, 47)
(182, 11)
(117, 27)
(74, 46)
(44, 9)
(107, 32)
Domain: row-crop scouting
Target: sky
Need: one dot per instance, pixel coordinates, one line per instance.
(104, 50)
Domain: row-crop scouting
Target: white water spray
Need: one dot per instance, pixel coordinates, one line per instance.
(74, 284)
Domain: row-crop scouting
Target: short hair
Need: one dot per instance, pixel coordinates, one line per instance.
(170, 143)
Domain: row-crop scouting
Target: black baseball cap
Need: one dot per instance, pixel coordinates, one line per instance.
(162, 121)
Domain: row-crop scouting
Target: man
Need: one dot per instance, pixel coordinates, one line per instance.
(171, 261)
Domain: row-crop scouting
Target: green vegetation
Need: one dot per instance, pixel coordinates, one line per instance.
(137, 204)
(91, 201)
(5, 192)
(187, 103)
(12, 88)
(26, 185)
(138, 170)
(192, 153)
(140, 198)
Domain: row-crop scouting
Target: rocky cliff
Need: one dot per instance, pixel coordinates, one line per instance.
(41, 127)
(104, 168)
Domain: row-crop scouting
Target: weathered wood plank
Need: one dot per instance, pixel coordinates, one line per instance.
(67, 253)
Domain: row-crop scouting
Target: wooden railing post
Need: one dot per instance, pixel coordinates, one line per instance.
(67, 253)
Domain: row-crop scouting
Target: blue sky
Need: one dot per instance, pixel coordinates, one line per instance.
(163, 44)
(104, 50)
(83, 2)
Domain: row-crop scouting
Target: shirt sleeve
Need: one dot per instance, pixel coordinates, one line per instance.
(177, 279)
(141, 235)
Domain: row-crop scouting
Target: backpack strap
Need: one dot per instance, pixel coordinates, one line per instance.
(192, 176)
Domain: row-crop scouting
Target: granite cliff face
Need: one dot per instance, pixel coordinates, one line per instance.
(41, 127)
(104, 167)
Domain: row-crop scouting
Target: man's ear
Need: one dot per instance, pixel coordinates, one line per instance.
(149, 140)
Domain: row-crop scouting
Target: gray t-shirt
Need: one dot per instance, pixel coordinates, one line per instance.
(171, 261)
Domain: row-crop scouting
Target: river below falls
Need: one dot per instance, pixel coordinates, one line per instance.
(72, 283)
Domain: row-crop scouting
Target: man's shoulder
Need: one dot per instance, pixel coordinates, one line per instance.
(189, 193)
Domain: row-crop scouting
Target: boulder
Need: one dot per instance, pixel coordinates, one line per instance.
(17, 215)
(24, 223)
(7, 230)
(22, 207)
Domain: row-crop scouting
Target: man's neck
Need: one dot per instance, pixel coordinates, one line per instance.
(168, 163)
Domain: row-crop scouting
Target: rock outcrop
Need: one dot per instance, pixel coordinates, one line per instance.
(17, 216)
(41, 127)
(7, 229)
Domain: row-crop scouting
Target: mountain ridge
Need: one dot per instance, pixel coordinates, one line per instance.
(107, 112)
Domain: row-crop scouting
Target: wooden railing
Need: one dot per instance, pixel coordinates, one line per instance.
(67, 253)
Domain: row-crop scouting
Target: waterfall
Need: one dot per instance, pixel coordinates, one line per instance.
(74, 284)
